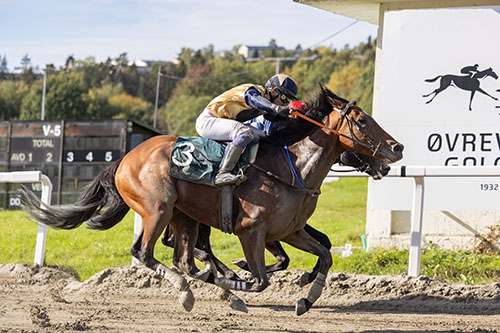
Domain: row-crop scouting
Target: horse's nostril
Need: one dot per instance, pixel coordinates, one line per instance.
(398, 148)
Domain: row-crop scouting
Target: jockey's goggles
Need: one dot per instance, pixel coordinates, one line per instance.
(284, 99)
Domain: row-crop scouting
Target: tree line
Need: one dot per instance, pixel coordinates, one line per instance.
(86, 89)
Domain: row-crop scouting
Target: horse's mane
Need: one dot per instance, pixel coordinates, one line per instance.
(294, 130)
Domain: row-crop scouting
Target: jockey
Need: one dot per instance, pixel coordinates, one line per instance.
(223, 118)
(470, 70)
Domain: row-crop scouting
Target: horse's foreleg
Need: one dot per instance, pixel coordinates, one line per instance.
(253, 245)
(205, 249)
(484, 92)
(277, 251)
(323, 239)
(303, 241)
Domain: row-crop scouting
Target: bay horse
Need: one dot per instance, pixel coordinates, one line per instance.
(464, 82)
(265, 208)
(377, 169)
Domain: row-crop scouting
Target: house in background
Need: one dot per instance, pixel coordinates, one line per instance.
(248, 51)
(147, 65)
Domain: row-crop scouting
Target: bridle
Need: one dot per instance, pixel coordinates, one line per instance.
(374, 148)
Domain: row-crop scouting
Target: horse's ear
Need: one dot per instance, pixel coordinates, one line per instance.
(323, 99)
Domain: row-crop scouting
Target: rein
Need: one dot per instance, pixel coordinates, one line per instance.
(374, 148)
(316, 192)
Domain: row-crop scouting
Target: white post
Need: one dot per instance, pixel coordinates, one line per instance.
(41, 235)
(33, 177)
(416, 227)
(137, 231)
(157, 96)
(42, 116)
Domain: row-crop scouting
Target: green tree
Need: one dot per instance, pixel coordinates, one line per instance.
(363, 88)
(180, 114)
(27, 75)
(4, 70)
(98, 101)
(126, 106)
(130, 79)
(11, 98)
(64, 98)
(94, 75)
(343, 80)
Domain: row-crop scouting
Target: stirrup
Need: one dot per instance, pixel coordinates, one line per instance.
(227, 178)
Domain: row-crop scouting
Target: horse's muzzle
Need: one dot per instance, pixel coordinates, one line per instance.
(392, 151)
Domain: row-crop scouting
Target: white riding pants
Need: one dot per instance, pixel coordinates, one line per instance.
(212, 127)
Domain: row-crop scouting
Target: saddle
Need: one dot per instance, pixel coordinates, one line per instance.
(197, 160)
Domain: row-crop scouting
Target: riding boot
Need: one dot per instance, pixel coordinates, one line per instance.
(231, 156)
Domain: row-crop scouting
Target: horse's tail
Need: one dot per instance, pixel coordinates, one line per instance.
(87, 208)
(434, 79)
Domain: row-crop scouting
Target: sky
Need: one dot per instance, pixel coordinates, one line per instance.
(49, 31)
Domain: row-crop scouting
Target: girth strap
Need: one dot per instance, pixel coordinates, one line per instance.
(226, 208)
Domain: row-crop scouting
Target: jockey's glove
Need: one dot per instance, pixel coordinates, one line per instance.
(283, 111)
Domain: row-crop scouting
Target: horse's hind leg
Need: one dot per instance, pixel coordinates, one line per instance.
(185, 231)
(143, 250)
(155, 213)
(444, 83)
(203, 249)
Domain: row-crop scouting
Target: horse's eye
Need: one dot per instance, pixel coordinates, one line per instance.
(362, 121)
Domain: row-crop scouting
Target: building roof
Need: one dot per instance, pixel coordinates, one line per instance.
(248, 50)
(368, 10)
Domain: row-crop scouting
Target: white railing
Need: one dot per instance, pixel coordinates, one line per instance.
(418, 173)
(33, 177)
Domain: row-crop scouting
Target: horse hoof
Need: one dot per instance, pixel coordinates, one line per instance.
(237, 304)
(302, 306)
(186, 298)
(241, 263)
(303, 280)
(203, 275)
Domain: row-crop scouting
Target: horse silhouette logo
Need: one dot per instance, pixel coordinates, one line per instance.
(469, 82)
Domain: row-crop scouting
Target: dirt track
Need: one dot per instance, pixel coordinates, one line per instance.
(131, 299)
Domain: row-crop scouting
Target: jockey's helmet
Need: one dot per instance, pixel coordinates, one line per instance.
(284, 84)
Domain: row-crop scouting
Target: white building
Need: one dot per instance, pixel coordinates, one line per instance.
(248, 51)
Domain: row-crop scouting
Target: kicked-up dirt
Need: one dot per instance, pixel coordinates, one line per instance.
(135, 299)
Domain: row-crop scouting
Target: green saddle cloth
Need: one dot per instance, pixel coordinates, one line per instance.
(197, 160)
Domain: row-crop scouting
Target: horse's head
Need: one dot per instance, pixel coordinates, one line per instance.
(375, 168)
(493, 74)
(359, 132)
(487, 72)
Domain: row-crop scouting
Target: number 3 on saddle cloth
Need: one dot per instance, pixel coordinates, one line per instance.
(197, 160)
